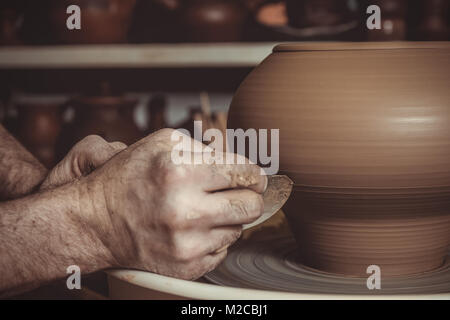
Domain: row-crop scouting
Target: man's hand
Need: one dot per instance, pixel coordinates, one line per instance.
(175, 220)
(20, 172)
(137, 210)
(87, 155)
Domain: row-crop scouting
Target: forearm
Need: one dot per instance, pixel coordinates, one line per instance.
(20, 172)
(43, 234)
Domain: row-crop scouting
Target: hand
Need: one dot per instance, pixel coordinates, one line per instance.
(175, 220)
(87, 155)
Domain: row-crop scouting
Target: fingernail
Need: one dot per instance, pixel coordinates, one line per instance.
(267, 184)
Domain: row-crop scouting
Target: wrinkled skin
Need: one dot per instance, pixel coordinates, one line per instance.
(175, 220)
(87, 155)
(107, 206)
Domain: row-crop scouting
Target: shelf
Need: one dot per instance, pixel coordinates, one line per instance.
(231, 55)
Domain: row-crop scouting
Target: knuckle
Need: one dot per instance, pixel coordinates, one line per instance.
(94, 139)
(184, 251)
(174, 222)
(168, 172)
(165, 133)
(255, 205)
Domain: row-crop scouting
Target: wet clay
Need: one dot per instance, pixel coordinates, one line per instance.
(365, 136)
(277, 191)
(242, 180)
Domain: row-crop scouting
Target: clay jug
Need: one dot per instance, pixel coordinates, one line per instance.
(393, 21)
(364, 134)
(10, 21)
(314, 13)
(103, 21)
(110, 117)
(38, 128)
(434, 24)
(213, 20)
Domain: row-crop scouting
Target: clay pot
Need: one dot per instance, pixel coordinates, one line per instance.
(213, 20)
(364, 131)
(110, 117)
(10, 22)
(314, 13)
(434, 21)
(38, 128)
(103, 21)
(272, 14)
(393, 21)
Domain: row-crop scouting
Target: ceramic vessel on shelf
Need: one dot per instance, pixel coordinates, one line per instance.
(39, 125)
(10, 22)
(314, 13)
(393, 21)
(434, 23)
(306, 21)
(103, 21)
(213, 20)
(110, 117)
(364, 134)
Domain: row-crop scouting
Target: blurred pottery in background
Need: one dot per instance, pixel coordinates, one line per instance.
(213, 20)
(39, 126)
(110, 117)
(209, 119)
(10, 22)
(156, 21)
(272, 14)
(315, 13)
(156, 113)
(103, 21)
(434, 24)
(366, 142)
(216, 120)
(306, 21)
(393, 21)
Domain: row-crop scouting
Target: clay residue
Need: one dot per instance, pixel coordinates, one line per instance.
(243, 180)
(278, 190)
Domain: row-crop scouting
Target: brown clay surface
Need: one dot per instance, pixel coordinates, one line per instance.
(365, 136)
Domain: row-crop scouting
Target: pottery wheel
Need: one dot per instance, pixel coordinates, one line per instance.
(271, 263)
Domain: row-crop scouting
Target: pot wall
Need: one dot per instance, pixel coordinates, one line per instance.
(354, 116)
(365, 136)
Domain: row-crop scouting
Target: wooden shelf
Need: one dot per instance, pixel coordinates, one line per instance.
(215, 55)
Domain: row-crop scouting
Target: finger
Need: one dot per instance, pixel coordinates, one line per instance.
(94, 151)
(232, 207)
(102, 152)
(230, 171)
(200, 267)
(119, 146)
